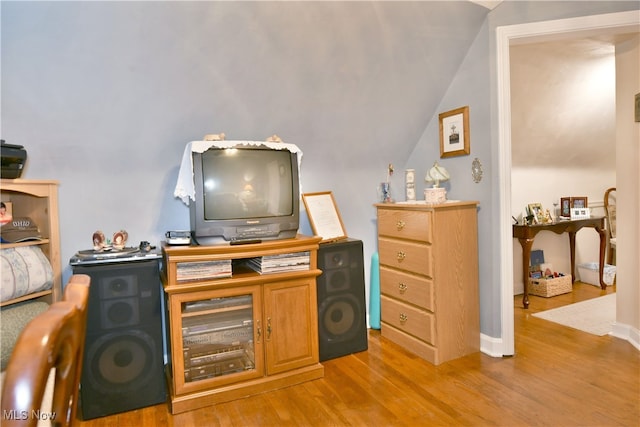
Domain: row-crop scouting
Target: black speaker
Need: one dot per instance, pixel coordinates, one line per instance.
(342, 327)
(123, 365)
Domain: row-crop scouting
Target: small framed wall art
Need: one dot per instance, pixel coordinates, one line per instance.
(454, 132)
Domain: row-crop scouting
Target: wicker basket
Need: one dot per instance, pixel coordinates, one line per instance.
(550, 287)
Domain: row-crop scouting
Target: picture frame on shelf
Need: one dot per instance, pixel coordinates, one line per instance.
(535, 210)
(324, 217)
(454, 132)
(6, 212)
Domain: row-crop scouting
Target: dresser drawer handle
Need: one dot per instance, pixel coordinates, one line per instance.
(400, 224)
(403, 318)
(401, 256)
(402, 288)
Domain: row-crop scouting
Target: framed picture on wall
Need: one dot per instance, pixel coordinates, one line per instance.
(454, 132)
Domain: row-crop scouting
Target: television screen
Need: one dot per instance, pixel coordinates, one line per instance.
(247, 184)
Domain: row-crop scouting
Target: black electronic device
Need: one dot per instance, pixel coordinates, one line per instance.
(123, 367)
(180, 237)
(342, 328)
(13, 159)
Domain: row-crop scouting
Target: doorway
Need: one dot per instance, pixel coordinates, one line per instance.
(506, 36)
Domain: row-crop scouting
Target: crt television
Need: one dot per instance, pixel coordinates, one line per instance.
(244, 194)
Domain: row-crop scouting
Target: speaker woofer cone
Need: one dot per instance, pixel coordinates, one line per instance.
(121, 362)
(339, 317)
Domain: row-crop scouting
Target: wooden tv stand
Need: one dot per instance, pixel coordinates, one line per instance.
(243, 334)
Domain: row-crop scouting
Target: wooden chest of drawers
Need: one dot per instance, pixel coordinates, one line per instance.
(429, 278)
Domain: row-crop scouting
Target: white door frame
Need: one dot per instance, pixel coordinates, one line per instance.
(613, 23)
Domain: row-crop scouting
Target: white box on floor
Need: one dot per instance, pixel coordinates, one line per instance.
(588, 273)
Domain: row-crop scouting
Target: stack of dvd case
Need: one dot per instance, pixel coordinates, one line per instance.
(203, 270)
(296, 261)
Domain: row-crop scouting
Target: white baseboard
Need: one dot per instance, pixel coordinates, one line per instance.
(627, 333)
(494, 346)
(491, 346)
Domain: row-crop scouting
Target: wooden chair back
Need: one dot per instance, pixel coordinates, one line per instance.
(610, 212)
(53, 339)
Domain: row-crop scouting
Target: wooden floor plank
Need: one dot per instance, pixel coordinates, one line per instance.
(559, 376)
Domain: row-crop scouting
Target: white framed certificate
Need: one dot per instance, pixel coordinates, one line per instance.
(324, 216)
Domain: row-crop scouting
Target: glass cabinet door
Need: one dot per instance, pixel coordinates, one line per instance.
(220, 337)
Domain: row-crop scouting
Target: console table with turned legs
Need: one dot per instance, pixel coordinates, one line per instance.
(527, 233)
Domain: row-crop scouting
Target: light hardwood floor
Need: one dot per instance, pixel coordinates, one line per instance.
(558, 377)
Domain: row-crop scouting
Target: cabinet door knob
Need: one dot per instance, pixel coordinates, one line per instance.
(402, 288)
(403, 318)
(401, 256)
(400, 224)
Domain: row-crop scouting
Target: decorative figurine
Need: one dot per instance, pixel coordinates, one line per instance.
(120, 239)
(274, 138)
(385, 187)
(99, 242)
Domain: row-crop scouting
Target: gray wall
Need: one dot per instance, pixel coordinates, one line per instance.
(104, 95)
(474, 84)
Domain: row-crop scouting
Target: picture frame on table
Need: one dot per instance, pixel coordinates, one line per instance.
(580, 213)
(535, 210)
(579, 202)
(565, 207)
(454, 132)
